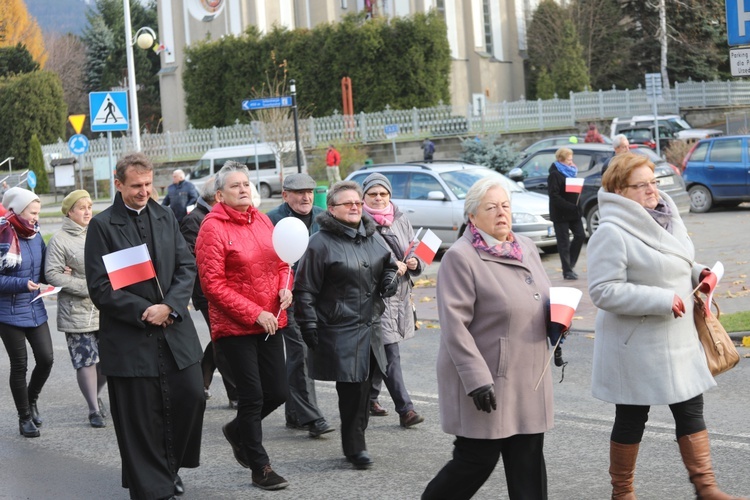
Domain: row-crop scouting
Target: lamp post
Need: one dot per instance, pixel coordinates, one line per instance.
(145, 38)
(293, 91)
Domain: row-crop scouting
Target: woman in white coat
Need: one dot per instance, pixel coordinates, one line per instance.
(641, 272)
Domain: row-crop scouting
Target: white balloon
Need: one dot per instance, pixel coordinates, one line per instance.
(290, 238)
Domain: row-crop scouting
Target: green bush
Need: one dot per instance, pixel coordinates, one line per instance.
(488, 152)
(36, 165)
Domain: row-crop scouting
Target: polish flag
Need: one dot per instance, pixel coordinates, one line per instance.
(428, 247)
(563, 303)
(129, 266)
(412, 243)
(708, 285)
(573, 185)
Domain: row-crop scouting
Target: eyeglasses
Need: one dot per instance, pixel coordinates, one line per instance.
(382, 195)
(349, 204)
(643, 185)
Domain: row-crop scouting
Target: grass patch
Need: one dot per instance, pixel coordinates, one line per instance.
(736, 322)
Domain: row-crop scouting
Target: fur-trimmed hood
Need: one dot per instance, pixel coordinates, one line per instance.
(327, 222)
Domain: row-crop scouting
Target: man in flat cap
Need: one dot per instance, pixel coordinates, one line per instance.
(302, 410)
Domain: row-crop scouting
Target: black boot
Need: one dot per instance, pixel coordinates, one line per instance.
(35, 413)
(26, 426)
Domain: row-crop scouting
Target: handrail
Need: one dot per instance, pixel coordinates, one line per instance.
(10, 168)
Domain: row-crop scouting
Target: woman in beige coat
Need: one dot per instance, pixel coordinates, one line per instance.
(493, 302)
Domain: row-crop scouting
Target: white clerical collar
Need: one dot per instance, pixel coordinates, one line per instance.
(138, 211)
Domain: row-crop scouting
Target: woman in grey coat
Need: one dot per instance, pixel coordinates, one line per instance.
(397, 323)
(493, 302)
(641, 272)
(76, 314)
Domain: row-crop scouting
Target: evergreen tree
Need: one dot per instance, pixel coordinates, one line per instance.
(16, 60)
(545, 87)
(36, 165)
(569, 69)
(99, 44)
(544, 43)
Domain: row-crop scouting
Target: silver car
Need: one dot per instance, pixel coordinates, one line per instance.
(432, 196)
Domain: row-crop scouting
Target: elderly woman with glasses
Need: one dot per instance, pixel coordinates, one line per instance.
(339, 288)
(641, 272)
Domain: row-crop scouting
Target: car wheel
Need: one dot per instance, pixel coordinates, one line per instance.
(265, 191)
(550, 250)
(700, 199)
(592, 220)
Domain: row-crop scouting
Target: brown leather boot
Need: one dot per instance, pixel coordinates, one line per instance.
(696, 455)
(622, 459)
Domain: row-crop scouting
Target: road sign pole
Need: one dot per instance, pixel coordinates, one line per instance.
(293, 89)
(395, 156)
(111, 167)
(80, 170)
(135, 125)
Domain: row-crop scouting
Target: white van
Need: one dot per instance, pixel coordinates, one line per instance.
(267, 177)
(678, 125)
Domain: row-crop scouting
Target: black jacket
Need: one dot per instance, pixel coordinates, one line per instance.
(563, 207)
(337, 292)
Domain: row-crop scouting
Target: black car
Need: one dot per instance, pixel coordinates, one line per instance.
(589, 158)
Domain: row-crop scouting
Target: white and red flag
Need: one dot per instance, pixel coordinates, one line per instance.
(413, 242)
(573, 185)
(428, 247)
(129, 266)
(708, 285)
(563, 301)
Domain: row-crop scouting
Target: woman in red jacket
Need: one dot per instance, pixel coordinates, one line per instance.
(248, 290)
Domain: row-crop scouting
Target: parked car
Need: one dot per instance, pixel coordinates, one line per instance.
(590, 158)
(432, 196)
(557, 140)
(646, 135)
(717, 172)
(678, 125)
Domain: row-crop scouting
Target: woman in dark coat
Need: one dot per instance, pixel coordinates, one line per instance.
(341, 281)
(21, 269)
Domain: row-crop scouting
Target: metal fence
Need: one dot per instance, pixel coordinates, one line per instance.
(441, 120)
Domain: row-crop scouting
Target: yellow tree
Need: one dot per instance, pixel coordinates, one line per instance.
(17, 26)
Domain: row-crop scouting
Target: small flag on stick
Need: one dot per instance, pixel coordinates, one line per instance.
(709, 283)
(129, 266)
(563, 303)
(413, 242)
(573, 185)
(428, 247)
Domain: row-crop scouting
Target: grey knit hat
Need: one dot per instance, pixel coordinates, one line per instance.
(377, 180)
(17, 199)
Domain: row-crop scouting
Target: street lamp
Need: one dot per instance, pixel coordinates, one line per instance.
(293, 91)
(145, 38)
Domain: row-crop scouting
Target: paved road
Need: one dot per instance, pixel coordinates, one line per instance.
(73, 461)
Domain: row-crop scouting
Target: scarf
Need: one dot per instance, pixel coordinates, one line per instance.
(11, 227)
(506, 249)
(382, 216)
(567, 171)
(662, 214)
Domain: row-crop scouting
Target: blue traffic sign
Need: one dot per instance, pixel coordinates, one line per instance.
(267, 102)
(391, 131)
(109, 111)
(78, 144)
(738, 17)
(31, 179)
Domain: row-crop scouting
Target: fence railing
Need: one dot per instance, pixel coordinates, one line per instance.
(441, 120)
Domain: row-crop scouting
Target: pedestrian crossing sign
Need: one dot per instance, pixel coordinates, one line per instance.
(109, 111)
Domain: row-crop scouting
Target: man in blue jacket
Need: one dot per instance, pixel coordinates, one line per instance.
(180, 195)
(302, 410)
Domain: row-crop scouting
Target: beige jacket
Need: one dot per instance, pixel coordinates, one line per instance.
(493, 318)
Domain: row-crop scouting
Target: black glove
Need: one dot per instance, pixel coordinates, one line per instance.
(556, 331)
(484, 398)
(311, 338)
(389, 286)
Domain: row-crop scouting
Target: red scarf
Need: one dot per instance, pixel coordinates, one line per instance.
(11, 227)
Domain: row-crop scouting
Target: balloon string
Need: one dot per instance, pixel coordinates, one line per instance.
(286, 287)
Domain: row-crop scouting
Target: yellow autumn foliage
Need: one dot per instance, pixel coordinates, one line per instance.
(17, 26)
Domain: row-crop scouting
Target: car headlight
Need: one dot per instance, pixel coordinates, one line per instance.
(524, 218)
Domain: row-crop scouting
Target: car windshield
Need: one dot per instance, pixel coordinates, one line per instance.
(681, 124)
(459, 181)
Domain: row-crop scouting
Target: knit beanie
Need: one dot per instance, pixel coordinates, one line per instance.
(72, 198)
(17, 199)
(377, 180)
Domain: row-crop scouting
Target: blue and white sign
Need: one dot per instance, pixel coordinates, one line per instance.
(267, 102)
(391, 131)
(78, 144)
(109, 111)
(738, 22)
(31, 179)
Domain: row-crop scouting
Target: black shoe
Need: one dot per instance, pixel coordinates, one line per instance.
(267, 479)
(179, 488)
(27, 427)
(35, 414)
(410, 418)
(570, 276)
(96, 419)
(239, 455)
(360, 460)
(319, 427)
(102, 408)
(298, 427)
